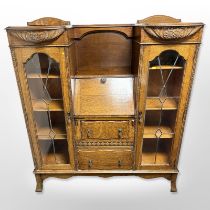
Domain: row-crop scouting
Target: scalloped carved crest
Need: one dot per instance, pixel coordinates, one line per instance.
(38, 36)
(171, 32)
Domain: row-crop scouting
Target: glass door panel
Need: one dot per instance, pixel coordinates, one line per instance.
(164, 86)
(44, 82)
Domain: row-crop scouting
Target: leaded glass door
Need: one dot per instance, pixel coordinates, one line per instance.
(44, 82)
(165, 76)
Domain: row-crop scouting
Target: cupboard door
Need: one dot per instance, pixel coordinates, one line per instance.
(163, 92)
(45, 86)
(162, 96)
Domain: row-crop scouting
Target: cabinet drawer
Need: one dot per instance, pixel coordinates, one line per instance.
(105, 130)
(105, 159)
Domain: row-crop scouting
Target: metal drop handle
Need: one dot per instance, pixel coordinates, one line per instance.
(89, 133)
(120, 133)
(119, 163)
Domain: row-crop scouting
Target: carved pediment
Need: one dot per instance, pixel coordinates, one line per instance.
(39, 35)
(171, 32)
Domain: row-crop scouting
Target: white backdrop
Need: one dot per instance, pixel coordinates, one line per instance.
(17, 183)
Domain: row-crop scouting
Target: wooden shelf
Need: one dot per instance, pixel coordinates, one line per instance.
(61, 152)
(44, 133)
(116, 71)
(50, 158)
(155, 104)
(149, 132)
(39, 105)
(165, 67)
(113, 98)
(37, 76)
(148, 158)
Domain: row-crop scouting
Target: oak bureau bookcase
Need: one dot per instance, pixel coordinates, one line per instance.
(105, 100)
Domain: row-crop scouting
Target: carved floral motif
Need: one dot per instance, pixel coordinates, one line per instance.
(171, 32)
(38, 36)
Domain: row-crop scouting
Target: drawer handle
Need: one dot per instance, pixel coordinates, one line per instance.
(89, 133)
(120, 133)
(119, 163)
(90, 163)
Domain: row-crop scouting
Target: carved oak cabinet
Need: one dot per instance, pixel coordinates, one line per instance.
(105, 100)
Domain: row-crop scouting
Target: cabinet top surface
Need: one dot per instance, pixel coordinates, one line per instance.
(31, 28)
(54, 23)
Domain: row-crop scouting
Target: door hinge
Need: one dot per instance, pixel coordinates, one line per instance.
(140, 117)
(69, 117)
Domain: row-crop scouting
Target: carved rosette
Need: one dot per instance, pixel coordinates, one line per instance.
(39, 35)
(171, 32)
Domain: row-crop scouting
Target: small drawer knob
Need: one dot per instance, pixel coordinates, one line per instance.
(103, 80)
(119, 163)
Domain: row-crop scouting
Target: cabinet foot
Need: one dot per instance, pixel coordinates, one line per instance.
(173, 183)
(39, 183)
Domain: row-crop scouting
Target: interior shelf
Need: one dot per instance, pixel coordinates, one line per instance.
(61, 152)
(54, 105)
(149, 132)
(116, 71)
(153, 103)
(42, 76)
(44, 133)
(148, 158)
(165, 67)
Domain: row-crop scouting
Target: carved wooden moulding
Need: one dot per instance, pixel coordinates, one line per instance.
(38, 35)
(104, 143)
(171, 32)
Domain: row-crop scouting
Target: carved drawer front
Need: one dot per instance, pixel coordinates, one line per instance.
(106, 130)
(104, 159)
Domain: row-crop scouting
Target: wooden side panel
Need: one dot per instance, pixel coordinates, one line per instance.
(67, 99)
(26, 104)
(184, 102)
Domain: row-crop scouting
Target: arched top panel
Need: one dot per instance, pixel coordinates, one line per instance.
(123, 34)
(48, 21)
(41, 64)
(159, 19)
(103, 50)
(168, 58)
